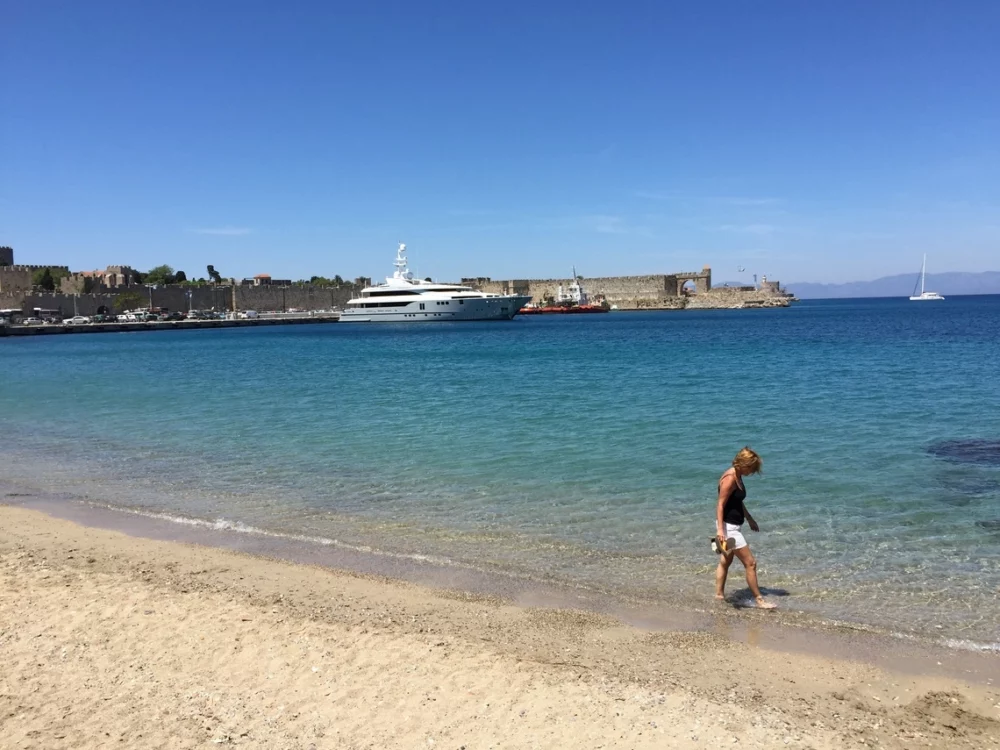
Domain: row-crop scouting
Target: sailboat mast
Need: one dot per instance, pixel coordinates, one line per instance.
(923, 272)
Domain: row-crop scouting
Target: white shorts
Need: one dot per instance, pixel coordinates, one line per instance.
(733, 532)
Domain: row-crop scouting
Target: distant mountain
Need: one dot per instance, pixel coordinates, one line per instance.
(987, 282)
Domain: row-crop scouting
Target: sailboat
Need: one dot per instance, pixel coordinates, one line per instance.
(924, 296)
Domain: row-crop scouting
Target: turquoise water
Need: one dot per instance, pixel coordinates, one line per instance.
(582, 451)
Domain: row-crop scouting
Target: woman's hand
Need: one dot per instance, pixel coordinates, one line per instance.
(753, 525)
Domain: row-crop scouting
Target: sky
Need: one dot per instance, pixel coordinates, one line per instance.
(823, 141)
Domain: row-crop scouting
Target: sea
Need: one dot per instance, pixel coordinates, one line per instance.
(572, 452)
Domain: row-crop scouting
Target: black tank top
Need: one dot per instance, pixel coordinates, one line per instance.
(732, 510)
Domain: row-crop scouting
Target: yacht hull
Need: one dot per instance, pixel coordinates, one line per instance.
(437, 311)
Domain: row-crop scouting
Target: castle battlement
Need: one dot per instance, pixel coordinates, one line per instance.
(32, 268)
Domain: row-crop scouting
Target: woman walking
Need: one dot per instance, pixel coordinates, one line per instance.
(730, 513)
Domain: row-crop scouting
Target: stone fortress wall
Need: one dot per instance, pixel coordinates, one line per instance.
(116, 290)
(174, 297)
(691, 290)
(656, 292)
(676, 291)
(18, 278)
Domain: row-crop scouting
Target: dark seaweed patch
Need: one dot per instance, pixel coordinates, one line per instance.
(989, 525)
(957, 501)
(954, 485)
(977, 451)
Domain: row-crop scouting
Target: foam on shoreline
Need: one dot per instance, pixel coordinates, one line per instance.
(790, 631)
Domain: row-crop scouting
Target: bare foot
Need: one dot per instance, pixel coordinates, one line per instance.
(721, 597)
(762, 603)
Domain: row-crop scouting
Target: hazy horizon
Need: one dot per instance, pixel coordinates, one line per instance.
(828, 143)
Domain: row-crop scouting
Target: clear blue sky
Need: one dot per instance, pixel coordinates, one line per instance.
(811, 141)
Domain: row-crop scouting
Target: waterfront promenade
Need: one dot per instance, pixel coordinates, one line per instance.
(276, 319)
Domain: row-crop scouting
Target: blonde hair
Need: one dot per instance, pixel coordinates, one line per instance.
(747, 461)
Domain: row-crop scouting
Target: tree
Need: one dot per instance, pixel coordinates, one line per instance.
(338, 281)
(49, 278)
(88, 284)
(214, 275)
(180, 277)
(43, 278)
(160, 275)
(128, 301)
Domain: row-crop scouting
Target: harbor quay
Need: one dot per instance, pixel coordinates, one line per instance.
(119, 288)
(653, 292)
(168, 325)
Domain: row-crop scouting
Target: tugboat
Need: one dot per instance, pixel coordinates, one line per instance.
(571, 300)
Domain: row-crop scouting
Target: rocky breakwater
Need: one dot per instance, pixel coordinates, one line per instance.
(737, 298)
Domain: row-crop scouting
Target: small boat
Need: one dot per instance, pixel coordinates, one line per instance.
(924, 296)
(562, 309)
(572, 300)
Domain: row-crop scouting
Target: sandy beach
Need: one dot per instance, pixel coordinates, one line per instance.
(110, 640)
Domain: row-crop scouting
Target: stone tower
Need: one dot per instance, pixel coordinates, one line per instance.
(6, 256)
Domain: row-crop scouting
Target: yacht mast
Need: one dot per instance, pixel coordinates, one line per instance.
(402, 272)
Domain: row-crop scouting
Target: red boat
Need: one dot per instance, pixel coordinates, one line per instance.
(562, 309)
(571, 301)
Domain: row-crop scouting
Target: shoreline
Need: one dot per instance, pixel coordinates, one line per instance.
(68, 584)
(788, 629)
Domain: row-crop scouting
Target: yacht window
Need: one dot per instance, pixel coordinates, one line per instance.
(393, 293)
(421, 305)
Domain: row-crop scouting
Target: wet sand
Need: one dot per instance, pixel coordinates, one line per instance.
(116, 640)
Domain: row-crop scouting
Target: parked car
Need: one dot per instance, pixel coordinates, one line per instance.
(77, 320)
(102, 318)
(32, 321)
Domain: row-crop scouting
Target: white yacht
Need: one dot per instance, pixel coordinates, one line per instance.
(404, 299)
(924, 296)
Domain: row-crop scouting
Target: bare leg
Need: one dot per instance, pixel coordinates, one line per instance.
(750, 563)
(720, 574)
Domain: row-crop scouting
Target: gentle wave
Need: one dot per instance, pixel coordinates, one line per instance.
(222, 524)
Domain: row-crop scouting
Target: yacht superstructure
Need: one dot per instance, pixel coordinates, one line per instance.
(404, 299)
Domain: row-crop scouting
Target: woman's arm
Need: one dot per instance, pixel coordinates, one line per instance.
(725, 488)
(753, 523)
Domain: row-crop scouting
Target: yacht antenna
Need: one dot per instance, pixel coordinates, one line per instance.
(402, 271)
